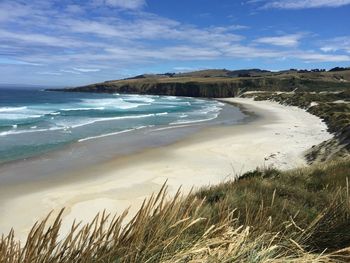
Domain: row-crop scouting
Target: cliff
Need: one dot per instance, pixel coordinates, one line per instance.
(222, 83)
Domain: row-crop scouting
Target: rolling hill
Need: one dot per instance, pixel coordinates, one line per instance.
(221, 83)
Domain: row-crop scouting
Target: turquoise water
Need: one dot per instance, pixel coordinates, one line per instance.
(33, 122)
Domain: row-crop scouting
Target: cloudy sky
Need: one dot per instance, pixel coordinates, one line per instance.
(73, 42)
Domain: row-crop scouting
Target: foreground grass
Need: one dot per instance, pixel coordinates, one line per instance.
(314, 201)
(266, 216)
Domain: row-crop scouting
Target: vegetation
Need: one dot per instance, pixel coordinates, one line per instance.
(338, 69)
(224, 83)
(265, 216)
(332, 107)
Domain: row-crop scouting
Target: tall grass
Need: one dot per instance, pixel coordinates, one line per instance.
(266, 216)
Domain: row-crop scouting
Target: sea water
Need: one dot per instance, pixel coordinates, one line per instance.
(33, 122)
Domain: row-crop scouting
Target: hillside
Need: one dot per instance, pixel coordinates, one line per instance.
(265, 216)
(223, 83)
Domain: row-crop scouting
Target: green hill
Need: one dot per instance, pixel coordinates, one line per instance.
(223, 83)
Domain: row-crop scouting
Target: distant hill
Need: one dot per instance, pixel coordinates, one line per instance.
(206, 73)
(224, 83)
(338, 69)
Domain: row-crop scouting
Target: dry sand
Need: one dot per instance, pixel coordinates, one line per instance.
(279, 138)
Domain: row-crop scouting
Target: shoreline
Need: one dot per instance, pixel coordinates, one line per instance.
(48, 128)
(279, 136)
(54, 166)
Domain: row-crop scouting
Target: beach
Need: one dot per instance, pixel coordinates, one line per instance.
(278, 136)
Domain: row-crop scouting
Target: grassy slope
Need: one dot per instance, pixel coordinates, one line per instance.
(271, 200)
(223, 83)
(266, 216)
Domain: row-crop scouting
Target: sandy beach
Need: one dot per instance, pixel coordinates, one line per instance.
(278, 137)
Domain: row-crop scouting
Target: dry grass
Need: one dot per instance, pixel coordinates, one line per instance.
(322, 104)
(246, 221)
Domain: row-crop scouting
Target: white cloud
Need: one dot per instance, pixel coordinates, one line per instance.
(284, 41)
(302, 4)
(49, 73)
(337, 44)
(316, 57)
(87, 69)
(69, 71)
(148, 27)
(178, 52)
(8, 61)
(328, 49)
(186, 69)
(74, 9)
(106, 40)
(41, 39)
(250, 52)
(13, 10)
(124, 4)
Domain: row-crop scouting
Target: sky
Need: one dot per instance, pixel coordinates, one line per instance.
(76, 42)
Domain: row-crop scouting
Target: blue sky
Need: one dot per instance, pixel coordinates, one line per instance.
(66, 42)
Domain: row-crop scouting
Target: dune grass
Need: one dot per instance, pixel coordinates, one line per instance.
(314, 201)
(332, 107)
(266, 216)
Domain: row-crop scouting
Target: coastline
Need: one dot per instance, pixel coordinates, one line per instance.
(209, 156)
(56, 166)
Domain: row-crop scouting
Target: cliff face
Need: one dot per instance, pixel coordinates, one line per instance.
(189, 89)
(208, 89)
(219, 86)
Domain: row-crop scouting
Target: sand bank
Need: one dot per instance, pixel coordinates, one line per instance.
(279, 137)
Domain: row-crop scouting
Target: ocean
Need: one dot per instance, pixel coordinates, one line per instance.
(34, 122)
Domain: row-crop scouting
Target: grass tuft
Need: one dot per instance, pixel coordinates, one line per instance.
(265, 216)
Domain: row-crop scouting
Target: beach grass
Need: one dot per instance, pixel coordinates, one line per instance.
(332, 107)
(265, 216)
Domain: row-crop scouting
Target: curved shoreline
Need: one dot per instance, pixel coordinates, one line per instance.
(279, 136)
(52, 167)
